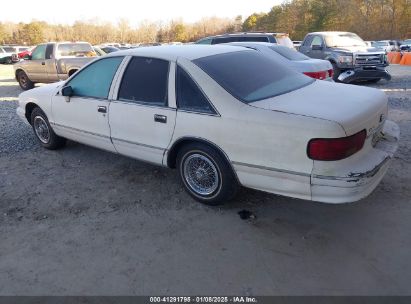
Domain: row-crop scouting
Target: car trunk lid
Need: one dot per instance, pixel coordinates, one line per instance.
(354, 108)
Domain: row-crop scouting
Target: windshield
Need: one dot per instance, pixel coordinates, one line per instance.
(75, 49)
(381, 43)
(288, 53)
(344, 39)
(250, 76)
(408, 41)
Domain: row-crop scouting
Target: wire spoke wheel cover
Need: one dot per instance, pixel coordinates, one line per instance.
(200, 174)
(41, 128)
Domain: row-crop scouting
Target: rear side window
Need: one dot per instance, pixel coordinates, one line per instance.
(189, 95)
(145, 81)
(94, 81)
(49, 51)
(250, 76)
(253, 38)
(223, 40)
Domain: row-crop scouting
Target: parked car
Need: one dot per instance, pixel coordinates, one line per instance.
(351, 58)
(406, 45)
(279, 38)
(386, 45)
(6, 53)
(20, 52)
(51, 62)
(314, 68)
(296, 44)
(224, 116)
(99, 51)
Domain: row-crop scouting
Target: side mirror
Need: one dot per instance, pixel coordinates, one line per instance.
(67, 92)
(317, 47)
(27, 57)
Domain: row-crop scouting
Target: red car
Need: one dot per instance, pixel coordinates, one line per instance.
(25, 52)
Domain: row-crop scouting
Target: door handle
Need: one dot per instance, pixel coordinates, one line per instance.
(102, 109)
(160, 118)
(43, 63)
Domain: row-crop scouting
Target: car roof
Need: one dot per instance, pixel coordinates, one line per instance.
(329, 33)
(173, 52)
(255, 44)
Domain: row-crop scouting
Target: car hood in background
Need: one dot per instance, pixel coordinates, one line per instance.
(353, 108)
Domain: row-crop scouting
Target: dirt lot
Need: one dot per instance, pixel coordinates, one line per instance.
(81, 221)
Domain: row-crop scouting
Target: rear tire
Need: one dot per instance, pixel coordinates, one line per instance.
(24, 81)
(206, 174)
(43, 131)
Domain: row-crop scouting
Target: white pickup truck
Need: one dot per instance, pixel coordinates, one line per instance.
(51, 62)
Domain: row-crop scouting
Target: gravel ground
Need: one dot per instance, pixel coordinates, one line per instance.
(80, 221)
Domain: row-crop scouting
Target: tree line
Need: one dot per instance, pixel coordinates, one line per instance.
(97, 32)
(371, 19)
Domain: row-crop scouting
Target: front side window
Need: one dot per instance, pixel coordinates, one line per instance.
(39, 53)
(145, 81)
(250, 76)
(189, 95)
(317, 41)
(94, 81)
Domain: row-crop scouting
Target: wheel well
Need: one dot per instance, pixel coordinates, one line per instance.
(29, 109)
(173, 151)
(71, 72)
(17, 72)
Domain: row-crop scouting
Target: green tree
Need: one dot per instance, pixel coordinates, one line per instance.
(33, 33)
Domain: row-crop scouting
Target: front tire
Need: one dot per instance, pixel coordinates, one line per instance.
(336, 73)
(206, 174)
(24, 81)
(43, 131)
(9, 61)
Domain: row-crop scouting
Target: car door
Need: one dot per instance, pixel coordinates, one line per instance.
(36, 67)
(142, 116)
(83, 117)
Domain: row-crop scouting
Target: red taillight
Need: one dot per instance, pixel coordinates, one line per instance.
(317, 75)
(335, 148)
(331, 73)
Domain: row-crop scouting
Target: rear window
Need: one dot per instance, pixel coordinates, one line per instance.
(250, 76)
(288, 53)
(75, 49)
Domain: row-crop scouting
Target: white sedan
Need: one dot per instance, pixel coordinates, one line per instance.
(224, 116)
(314, 68)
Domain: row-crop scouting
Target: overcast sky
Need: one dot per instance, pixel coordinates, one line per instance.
(135, 11)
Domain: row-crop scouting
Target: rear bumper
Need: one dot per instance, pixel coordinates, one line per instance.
(364, 73)
(356, 177)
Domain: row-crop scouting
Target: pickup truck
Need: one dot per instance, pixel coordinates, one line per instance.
(51, 62)
(351, 58)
